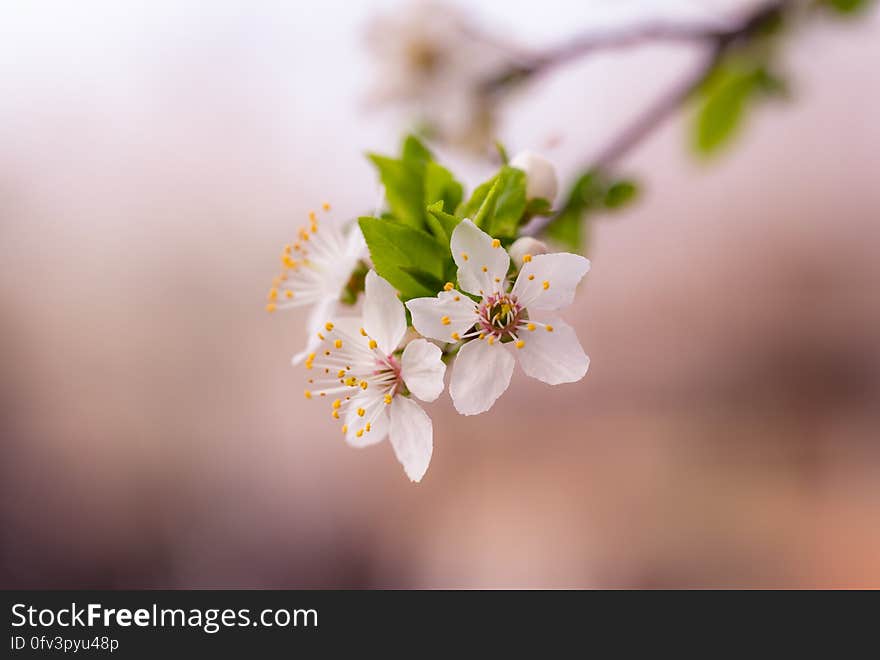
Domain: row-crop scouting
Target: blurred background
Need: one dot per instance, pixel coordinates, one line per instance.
(155, 156)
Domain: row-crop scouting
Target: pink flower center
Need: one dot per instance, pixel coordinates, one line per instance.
(500, 314)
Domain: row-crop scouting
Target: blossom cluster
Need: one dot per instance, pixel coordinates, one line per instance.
(435, 288)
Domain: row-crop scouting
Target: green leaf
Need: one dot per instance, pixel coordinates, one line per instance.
(394, 246)
(538, 206)
(441, 223)
(415, 180)
(470, 208)
(620, 194)
(848, 7)
(483, 216)
(510, 205)
(587, 194)
(502, 152)
(415, 152)
(498, 205)
(726, 93)
(403, 189)
(441, 186)
(429, 281)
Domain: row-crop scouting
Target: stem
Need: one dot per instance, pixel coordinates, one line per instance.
(645, 123)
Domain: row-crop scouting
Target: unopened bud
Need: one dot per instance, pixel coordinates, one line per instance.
(540, 175)
(526, 247)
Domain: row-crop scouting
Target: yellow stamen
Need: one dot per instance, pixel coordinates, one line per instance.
(485, 269)
(373, 344)
(520, 343)
(546, 284)
(325, 206)
(338, 343)
(308, 394)
(361, 412)
(449, 286)
(364, 384)
(455, 336)
(363, 332)
(312, 216)
(368, 427)
(531, 277)
(496, 243)
(320, 336)
(344, 429)
(527, 258)
(288, 294)
(337, 404)
(388, 399)
(328, 326)
(335, 414)
(530, 327)
(360, 433)
(464, 256)
(445, 320)
(549, 328)
(491, 339)
(271, 307)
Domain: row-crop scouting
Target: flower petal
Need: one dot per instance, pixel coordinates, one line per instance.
(553, 357)
(548, 281)
(384, 316)
(422, 369)
(318, 316)
(375, 414)
(412, 436)
(355, 244)
(450, 313)
(480, 260)
(480, 375)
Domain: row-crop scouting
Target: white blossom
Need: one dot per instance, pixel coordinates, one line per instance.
(370, 383)
(503, 322)
(432, 61)
(316, 267)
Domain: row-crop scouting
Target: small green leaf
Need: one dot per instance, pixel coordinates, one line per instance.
(848, 7)
(587, 194)
(403, 189)
(415, 152)
(727, 94)
(538, 206)
(440, 185)
(394, 246)
(498, 205)
(427, 280)
(487, 208)
(620, 194)
(469, 208)
(510, 206)
(441, 223)
(502, 152)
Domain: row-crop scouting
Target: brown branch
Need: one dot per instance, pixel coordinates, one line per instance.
(717, 41)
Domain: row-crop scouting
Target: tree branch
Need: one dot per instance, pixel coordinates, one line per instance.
(717, 41)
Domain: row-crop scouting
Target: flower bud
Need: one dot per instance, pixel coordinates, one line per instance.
(525, 246)
(540, 175)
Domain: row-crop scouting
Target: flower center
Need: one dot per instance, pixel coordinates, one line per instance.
(500, 314)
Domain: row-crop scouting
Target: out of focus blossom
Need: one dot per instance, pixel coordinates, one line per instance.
(433, 63)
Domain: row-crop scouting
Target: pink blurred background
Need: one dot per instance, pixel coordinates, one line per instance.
(155, 156)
